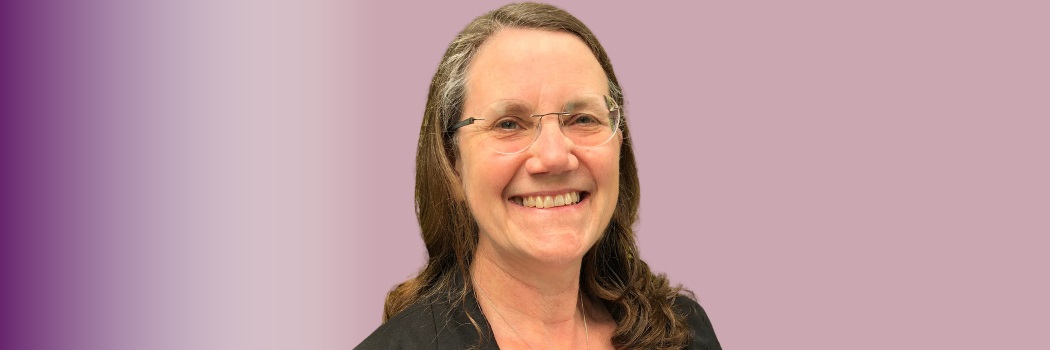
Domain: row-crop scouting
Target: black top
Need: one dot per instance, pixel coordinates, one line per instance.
(436, 325)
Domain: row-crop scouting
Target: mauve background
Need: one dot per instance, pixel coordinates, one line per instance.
(231, 174)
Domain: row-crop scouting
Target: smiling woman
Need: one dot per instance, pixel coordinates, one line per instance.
(526, 194)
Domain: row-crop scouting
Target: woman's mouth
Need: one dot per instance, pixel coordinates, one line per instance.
(549, 201)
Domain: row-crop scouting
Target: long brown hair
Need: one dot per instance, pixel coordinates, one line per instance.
(639, 301)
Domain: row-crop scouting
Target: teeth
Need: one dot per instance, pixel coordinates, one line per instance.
(543, 202)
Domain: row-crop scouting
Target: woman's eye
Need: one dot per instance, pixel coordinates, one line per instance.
(583, 119)
(508, 124)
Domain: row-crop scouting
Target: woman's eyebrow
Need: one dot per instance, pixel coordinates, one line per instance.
(582, 103)
(513, 106)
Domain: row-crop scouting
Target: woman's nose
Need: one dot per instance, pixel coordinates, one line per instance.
(552, 151)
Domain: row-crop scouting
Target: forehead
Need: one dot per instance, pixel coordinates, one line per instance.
(538, 66)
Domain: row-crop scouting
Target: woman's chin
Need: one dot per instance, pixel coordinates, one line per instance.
(561, 253)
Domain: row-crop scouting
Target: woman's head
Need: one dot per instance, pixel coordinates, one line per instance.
(450, 168)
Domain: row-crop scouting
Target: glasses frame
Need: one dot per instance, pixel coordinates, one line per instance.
(539, 125)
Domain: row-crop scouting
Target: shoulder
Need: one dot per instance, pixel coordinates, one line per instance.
(413, 328)
(699, 324)
(425, 325)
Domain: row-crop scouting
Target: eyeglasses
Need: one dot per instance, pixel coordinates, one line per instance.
(511, 126)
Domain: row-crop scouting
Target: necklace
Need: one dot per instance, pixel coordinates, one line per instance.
(586, 332)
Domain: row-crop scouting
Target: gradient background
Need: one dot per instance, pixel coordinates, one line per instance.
(235, 174)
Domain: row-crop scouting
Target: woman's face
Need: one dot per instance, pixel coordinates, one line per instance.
(546, 70)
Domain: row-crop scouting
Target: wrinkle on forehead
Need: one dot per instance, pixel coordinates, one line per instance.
(588, 101)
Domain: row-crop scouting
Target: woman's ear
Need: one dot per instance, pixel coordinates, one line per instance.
(457, 192)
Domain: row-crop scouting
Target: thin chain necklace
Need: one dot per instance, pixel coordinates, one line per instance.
(586, 332)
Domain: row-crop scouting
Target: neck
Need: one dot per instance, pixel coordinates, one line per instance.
(544, 294)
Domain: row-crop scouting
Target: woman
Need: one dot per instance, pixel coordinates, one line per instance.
(526, 194)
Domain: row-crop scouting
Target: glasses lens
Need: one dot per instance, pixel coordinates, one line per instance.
(508, 126)
(591, 120)
(511, 126)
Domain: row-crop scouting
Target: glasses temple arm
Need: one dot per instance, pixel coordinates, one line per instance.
(463, 123)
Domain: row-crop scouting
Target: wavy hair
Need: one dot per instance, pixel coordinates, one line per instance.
(640, 301)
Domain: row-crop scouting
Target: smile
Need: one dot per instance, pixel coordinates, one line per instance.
(543, 202)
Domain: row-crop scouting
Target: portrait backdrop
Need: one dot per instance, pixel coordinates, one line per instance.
(235, 174)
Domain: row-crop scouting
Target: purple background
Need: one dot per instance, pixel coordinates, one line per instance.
(239, 175)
